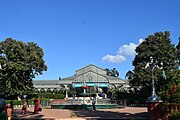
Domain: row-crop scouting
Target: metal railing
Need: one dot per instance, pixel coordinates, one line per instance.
(48, 103)
(85, 101)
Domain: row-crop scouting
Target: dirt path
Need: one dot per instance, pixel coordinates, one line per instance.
(58, 114)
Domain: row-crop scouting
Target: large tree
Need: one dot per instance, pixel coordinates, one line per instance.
(171, 90)
(178, 53)
(159, 47)
(19, 63)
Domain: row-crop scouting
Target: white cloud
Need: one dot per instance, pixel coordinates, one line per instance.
(127, 50)
(116, 59)
(141, 40)
(122, 53)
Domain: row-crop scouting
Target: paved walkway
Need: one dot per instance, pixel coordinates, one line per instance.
(60, 114)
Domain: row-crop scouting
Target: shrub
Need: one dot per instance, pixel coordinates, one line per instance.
(175, 115)
(15, 102)
(49, 96)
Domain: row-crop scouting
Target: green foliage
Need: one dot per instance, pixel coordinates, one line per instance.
(19, 63)
(178, 46)
(15, 102)
(178, 52)
(170, 91)
(130, 97)
(170, 111)
(175, 115)
(112, 72)
(49, 96)
(30, 101)
(159, 47)
(129, 75)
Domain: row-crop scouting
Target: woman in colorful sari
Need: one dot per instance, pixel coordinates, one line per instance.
(37, 105)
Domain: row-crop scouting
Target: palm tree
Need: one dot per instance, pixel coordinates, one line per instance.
(108, 71)
(112, 72)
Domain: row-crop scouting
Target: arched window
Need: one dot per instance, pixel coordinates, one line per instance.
(90, 78)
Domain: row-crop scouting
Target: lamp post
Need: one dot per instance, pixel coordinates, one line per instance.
(66, 88)
(153, 97)
(0, 67)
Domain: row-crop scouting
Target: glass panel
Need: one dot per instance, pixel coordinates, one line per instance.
(91, 84)
(102, 85)
(77, 85)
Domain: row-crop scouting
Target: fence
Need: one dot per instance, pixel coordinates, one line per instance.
(19, 103)
(79, 101)
(87, 101)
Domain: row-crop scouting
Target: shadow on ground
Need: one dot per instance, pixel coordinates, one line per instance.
(109, 115)
(100, 114)
(28, 116)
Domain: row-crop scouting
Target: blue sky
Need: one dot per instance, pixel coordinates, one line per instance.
(76, 33)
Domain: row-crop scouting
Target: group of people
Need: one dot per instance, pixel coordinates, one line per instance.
(7, 110)
(37, 106)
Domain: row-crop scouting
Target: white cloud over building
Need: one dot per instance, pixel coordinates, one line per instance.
(122, 53)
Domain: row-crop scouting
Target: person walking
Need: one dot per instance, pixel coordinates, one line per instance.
(12, 106)
(9, 111)
(37, 105)
(94, 102)
(3, 109)
(25, 105)
(2, 114)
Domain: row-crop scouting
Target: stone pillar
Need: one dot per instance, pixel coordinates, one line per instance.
(84, 91)
(154, 110)
(154, 106)
(66, 88)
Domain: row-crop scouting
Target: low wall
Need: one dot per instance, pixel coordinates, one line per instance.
(83, 106)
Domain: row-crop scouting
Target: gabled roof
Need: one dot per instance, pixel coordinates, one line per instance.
(69, 80)
(111, 80)
(115, 80)
(88, 66)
